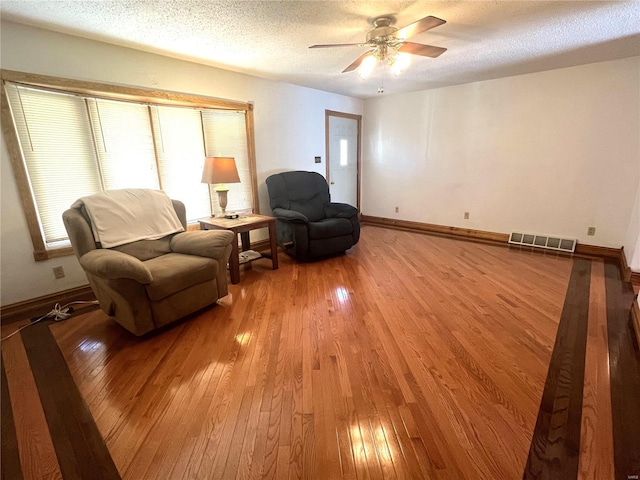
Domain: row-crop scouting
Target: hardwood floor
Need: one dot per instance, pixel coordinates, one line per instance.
(412, 356)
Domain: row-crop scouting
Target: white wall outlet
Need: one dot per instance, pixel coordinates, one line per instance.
(397, 209)
(318, 159)
(58, 272)
(466, 215)
(591, 231)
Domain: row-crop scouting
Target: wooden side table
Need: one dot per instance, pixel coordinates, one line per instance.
(243, 226)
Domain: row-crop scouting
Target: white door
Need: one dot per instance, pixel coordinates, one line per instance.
(342, 165)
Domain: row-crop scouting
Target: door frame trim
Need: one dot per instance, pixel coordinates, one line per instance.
(358, 118)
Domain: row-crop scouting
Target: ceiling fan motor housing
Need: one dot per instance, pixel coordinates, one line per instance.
(382, 32)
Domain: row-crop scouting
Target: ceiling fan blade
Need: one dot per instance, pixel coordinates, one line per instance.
(422, 25)
(338, 45)
(424, 50)
(357, 63)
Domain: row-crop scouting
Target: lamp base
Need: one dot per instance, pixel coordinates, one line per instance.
(222, 199)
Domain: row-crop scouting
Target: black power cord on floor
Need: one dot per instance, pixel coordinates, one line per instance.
(56, 314)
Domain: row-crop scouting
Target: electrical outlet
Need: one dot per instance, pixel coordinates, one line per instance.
(318, 159)
(466, 215)
(58, 272)
(397, 209)
(591, 231)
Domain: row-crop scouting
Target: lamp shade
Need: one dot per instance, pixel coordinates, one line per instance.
(220, 170)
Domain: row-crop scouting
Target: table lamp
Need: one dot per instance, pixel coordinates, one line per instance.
(220, 171)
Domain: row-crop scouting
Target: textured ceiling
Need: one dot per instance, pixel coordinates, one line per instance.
(485, 39)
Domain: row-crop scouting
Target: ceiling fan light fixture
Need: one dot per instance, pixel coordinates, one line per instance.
(366, 66)
(399, 63)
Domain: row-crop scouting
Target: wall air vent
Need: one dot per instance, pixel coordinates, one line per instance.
(543, 241)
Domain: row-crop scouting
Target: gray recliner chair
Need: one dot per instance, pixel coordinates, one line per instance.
(147, 284)
(309, 226)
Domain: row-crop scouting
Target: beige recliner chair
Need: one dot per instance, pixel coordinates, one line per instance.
(146, 284)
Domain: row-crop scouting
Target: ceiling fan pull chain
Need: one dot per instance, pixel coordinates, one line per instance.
(381, 87)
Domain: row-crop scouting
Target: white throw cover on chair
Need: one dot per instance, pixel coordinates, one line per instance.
(128, 215)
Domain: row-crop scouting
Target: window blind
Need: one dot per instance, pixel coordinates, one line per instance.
(180, 147)
(226, 136)
(124, 143)
(55, 135)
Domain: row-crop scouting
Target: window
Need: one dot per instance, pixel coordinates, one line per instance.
(181, 157)
(224, 134)
(344, 152)
(68, 143)
(124, 144)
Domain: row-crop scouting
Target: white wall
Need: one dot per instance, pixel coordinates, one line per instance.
(289, 129)
(553, 152)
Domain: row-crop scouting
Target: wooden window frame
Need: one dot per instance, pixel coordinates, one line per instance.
(105, 91)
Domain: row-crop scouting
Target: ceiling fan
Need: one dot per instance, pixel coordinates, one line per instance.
(388, 42)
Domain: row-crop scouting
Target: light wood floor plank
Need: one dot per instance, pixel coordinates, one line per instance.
(37, 454)
(596, 442)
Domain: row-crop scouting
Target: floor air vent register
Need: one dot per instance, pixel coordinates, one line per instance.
(543, 241)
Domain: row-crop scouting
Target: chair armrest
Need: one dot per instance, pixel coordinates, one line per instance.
(342, 210)
(289, 215)
(111, 264)
(204, 243)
